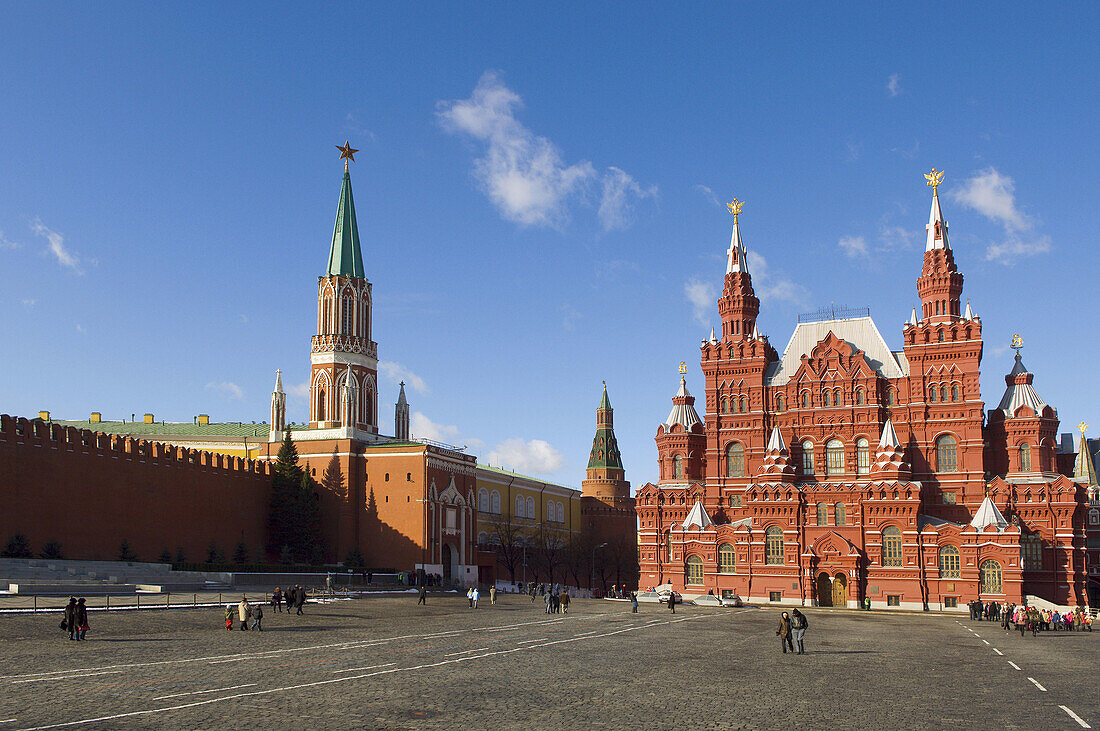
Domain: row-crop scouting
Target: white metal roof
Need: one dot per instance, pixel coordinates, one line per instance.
(1020, 394)
(988, 515)
(682, 414)
(698, 517)
(859, 331)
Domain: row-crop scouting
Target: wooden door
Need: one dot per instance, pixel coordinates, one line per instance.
(840, 590)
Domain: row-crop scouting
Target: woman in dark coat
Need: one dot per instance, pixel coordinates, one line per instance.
(783, 632)
(81, 618)
(68, 621)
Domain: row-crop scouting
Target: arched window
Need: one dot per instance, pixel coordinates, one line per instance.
(946, 454)
(1031, 553)
(668, 546)
(483, 500)
(326, 315)
(807, 457)
(822, 514)
(346, 319)
(741, 405)
(989, 577)
(943, 393)
(838, 398)
(891, 546)
(834, 457)
(939, 335)
(863, 456)
(949, 562)
(531, 508)
(694, 570)
(725, 559)
(494, 503)
(494, 540)
(825, 398)
(931, 394)
(368, 404)
(859, 397)
(773, 546)
(779, 402)
(805, 399)
(725, 405)
(483, 539)
(678, 467)
(735, 460)
(521, 507)
(321, 404)
(1025, 458)
(838, 514)
(891, 396)
(364, 320)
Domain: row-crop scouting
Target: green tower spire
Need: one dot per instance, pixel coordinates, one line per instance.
(605, 448)
(345, 257)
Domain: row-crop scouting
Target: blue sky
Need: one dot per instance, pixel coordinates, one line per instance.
(539, 195)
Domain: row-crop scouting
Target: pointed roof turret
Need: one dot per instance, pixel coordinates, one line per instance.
(736, 258)
(1019, 391)
(1084, 468)
(889, 439)
(605, 448)
(937, 227)
(401, 401)
(605, 402)
(683, 409)
(988, 515)
(775, 441)
(345, 256)
(698, 517)
(969, 312)
(913, 318)
(777, 462)
(890, 457)
(712, 338)
(278, 381)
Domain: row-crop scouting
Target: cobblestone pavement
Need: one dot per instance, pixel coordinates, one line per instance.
(386, 663)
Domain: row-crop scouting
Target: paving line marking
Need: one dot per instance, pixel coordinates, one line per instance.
(1072, 715)
(211, 690)
(540, 639)
(986, 641)
(352, 645)
(123, 685)
(246, 694)
(66, 677)
(1013, 664)
(1036, 684)
(998, 652)
(463, 652)
(13, 720)
(372, 667)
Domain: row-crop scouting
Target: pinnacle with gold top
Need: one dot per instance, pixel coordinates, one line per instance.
(346, 153)
(1017, 343)
(735, 208)
(1082, 427)
(683, 368)
(934, 179)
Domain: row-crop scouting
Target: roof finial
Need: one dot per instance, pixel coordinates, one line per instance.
(934, 179)
(683, 368)
(1017, 343)
(735, 207)
(346, 153)
(1082, 427)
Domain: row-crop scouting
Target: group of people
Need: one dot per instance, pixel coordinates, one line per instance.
(792, 631)
(1034, 620)
(294, 597)
(250, 615)
(557, 603)
(75, 619)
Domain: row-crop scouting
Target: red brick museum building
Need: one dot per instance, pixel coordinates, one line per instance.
(840, 470)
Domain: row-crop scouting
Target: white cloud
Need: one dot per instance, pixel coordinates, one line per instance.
(708, 194)
(6, 243)
(570, 315)
(703, 297)
(300, 390)
(57, 246)
(80, 328)
(524, 174)
(853, 150)
(993, 195)
(29, 302)
(421, 427)
(243, 319)
(893, 85)
(853, 246)
(770, 286)
(616, 204)
(397, 372)
(896, 237)
(535, 455)
(230, 391)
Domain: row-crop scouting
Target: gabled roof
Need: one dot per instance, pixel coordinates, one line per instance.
(858, 331)
(988, 515)
(698, 517)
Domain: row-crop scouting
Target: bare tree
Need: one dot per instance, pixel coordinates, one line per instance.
(510, 549)
(549, 550)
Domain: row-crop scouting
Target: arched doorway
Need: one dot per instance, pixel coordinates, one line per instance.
(446, 564)
(824, 590)
(840, 590)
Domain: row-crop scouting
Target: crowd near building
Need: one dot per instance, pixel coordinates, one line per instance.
(843, 473)
(197, 489)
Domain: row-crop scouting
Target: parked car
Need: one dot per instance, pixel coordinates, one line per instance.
(732, 601)
(663, 598)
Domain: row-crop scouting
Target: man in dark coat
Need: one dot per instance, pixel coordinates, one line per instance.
(69, 618)
(423, 598)
(799, 625)
(299, 598)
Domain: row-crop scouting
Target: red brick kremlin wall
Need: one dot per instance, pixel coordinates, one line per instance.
(89, 491)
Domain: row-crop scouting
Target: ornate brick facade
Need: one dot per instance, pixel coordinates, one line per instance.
(895, 486)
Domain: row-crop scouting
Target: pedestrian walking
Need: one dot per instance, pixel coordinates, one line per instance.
(277, 600)
(492, 595)
(799, 625)
(229, 617)
(423, 598)
(475, 596)
(299, 598)
(672, 601)
(470, 597)
(548, 602)
(633, 602)
(564, 602)
(258, 617)
(783, 632)
(243, 612)
(81, 618)
(68, 619)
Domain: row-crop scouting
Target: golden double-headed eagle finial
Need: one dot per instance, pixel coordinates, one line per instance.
(683, 368)
(934, 179)
(735, 207)
(1082, 427)
(1017, 342)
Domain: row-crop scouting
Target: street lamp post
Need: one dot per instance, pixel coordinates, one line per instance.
(592, 566)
